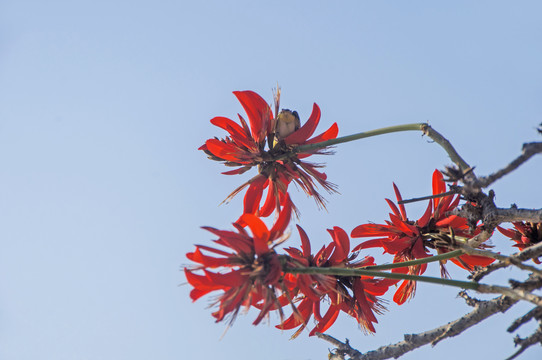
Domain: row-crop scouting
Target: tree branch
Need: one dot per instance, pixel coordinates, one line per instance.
(514, 214)
(533, 251)
(482, 311)
(529, 150)
(446, 145)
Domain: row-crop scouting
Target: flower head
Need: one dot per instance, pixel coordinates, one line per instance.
(248, 273)
(524, 234)
(354, 295)
(270, 143)
(409, 240)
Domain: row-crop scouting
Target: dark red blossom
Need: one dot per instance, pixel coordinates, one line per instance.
(410, 240)
(357, 296)
(261, 144)
(248, 273)
(524, 234)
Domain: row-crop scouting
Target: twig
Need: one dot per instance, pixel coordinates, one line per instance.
(533, 251)
(517, 294)
(507, 260)
(342, 348)
(515, 214)
(528, 151)
(535, 313)
(451, 192)
(533, 339)
(481, 312)
(445, 144)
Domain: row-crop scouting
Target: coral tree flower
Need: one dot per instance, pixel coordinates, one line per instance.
(248, 273)
(355, 296)
(524, 234)
(269, 143)
(409, 240)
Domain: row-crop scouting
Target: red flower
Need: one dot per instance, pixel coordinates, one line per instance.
(524, 234)
(409, 240)
(356, 296)
(269, 143)
(248, 273)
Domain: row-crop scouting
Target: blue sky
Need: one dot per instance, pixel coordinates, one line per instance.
(102, 190)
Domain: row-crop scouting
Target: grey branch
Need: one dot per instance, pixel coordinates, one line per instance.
(505, 260)
(529, 150)
(535, 313)
(482, 311)
(515, 214)
(446, 145)
(531, 252)
(531, 340)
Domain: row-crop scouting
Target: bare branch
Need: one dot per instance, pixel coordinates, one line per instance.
(533, 339)
(535, 313)
(515, 214)
(528, 151)
(507, 260)
(531, 252)
(445, 144)
(482, 311)
(341, 348)
(518, 294)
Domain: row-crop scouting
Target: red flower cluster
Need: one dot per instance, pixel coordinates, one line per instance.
(409, 240)
(256, 276)
(356, 296)
(524, 234)
(248, 271)
(252, 271)
(269, 143)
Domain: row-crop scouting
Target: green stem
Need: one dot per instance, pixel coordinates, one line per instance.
(397, 276)
(426, 260)
(343, 139)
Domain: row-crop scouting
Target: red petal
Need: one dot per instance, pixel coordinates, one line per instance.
(342, 245)
(254, 194)
(399, 199)
(305, 132)
(329, 134)
(271, 200)
(227, 151)
(260, 232)
(328, 320)
(236, 132)
(207, 261)
(305, 243)
(424, 220)
(369, 244)
(258, 112)
(305, 309)
(282, 221)
(368, 230)
(438, 186)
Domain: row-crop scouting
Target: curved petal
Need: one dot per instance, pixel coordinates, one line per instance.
(342, 245)
(254, 195)
(328, 320)
(438, 186)
(260, 233)
(282, 221)
(305, 131)
(236, 132)
(258, 112)
(329, 134)
(305, 242)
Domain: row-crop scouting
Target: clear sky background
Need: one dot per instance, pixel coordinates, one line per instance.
(103, 105)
